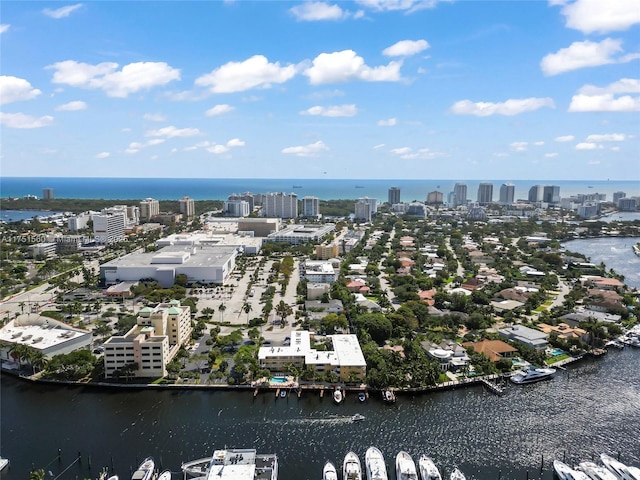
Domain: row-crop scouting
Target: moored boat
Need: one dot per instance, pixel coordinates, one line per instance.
(565, 472)
(619, 469)
(457, 475)
(329, 471)
(388, 396)
(145, 470)
(532, 375)
(3, 463)
(428, 469)
(596, 472)
(246, 459)
(337, 395)
(166, 475)
(362, 397)
(357, 417)
(351, 468)
(405, 467)
(375, 466)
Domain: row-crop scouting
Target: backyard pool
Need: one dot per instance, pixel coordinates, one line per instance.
(278, 380)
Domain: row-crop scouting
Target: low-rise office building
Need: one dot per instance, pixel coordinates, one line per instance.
(300, 234)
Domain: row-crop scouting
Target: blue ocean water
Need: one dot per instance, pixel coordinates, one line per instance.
(325, 189)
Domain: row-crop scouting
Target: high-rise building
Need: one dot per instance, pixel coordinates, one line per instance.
(187, 207)
(109, 227)
(373, 203)
(149, 208)
(507, 193)
(394, 195)
(363, 210)
(434, 198)
(236, 208)
(628, 204)
(617, 196)
(485, 193)
(310, 206)
(535, 194)
(551, 194)
(47, 193)
(280, 205)
(247, 197)
(460, 192)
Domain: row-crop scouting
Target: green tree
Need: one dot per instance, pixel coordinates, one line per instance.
(283, 311)
(376, 325)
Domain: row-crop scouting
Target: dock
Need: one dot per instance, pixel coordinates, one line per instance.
(493, 387)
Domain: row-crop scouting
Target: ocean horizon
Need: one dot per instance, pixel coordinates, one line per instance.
(118, 188)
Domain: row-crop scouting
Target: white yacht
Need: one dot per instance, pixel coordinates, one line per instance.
(405, 467)
(596, 472)
(533, 374)
(337, 395)
(619, 469)
(166, 475)
(329, 471)
(233, 464)
(351, 468)
(145, 470)
(428, 469)
(457, 475)
(565, 472)
(375, 466)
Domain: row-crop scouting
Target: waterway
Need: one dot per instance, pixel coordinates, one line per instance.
(592, 407)
(615, 252)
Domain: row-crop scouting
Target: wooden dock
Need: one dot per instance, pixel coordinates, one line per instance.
(494, 388)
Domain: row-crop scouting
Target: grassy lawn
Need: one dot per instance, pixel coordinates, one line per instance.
(552, 360)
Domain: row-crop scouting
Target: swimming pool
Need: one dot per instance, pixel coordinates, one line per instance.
(278, 379)
(557, 352)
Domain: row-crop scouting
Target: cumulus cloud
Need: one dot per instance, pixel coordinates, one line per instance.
(4, 27)
(608, 99)
(519, 146)
(316, 11)
(624, 85)
(115, 83)
(218, 149)
(344, 66)
(607, 137)
(387, 123)
(135, 147)
(587, 146)
(102, 155)
(21, 120)
(255, 72)
(154, 117)
(72, 106)
(311, 150)
(14, 89)
(332, 111)
(219, 110)
(235, 142)
(379, 146)
(551, 155)
(61, 12)
(406, 48)
(407, 153)
(510, 107)
(565, 138)
(583, 54)
(172, 132)
(597, 16)
(409, 6)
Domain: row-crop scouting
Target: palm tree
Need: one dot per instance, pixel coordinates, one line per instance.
(21, 305)
(283, 310)
(247, 308)
(221, 309)
(39, 360)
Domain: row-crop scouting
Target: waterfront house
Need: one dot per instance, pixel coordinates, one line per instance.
(565, 332)
(495, 350)
(525, 335)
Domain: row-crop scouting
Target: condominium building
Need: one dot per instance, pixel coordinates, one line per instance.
(280, 205)
(617, 196)
(301, 234)
(47, 194)
(310, 207)
(460, 192)
(507, 193)
(187, 207)
(362, 211)
(536, 194)
(325, 252)
(394, 195)
(236, 208)
(149, 208)
(551, 194)
(434, 198)
(109, 227)
(373, 203)
(628, 204)
(485, 193)
(246, 197)
(79, 222)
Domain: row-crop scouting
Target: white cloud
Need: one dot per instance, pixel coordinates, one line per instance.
(405, 48)
(21, 120)
(14, 89)
(593, 162)
(587, 146)
(615, 149)
(103, 155)
(104, 76)
(154, 117)
(4, 27)
(332, 111)
(218, 148)
(219, 110)
(607, 137)
(551, 155)
(538, 143)
(135, 147)
(604, 103)
(235, 142)
(379, 146)
(387, 123)
(315, 11)
(255, 72)
(598, 16)
(62, 11)
(519, 146)
(565, 138)
(624, 85)
(407, 153)
(583, 54)
(310, 150)
(72, 106)
(409, 6)
(340, 67)
(510, 107)
(172, 132)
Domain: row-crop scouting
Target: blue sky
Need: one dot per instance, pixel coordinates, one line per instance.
(361, 89)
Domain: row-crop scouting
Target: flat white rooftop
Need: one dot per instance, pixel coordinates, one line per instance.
(49, 333)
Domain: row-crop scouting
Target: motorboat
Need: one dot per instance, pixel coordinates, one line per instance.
(3, 463)
(532, 375)
(457, 475)
(357, 417)
(634, 471)
(565, 472)
(145, 470)
(375, 466)
(233, 460)
(351, 468)
(428, 469)
(388, 396)
(337, 395)
(362, 397)
(166, 475)
(596, 472)
(283, 393)
(619, 469)
(329, 471)
(405, 467)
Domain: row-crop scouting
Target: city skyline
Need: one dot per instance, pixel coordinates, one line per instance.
(466, 90)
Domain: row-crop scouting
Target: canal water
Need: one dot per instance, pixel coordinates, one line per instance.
(592, 407)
